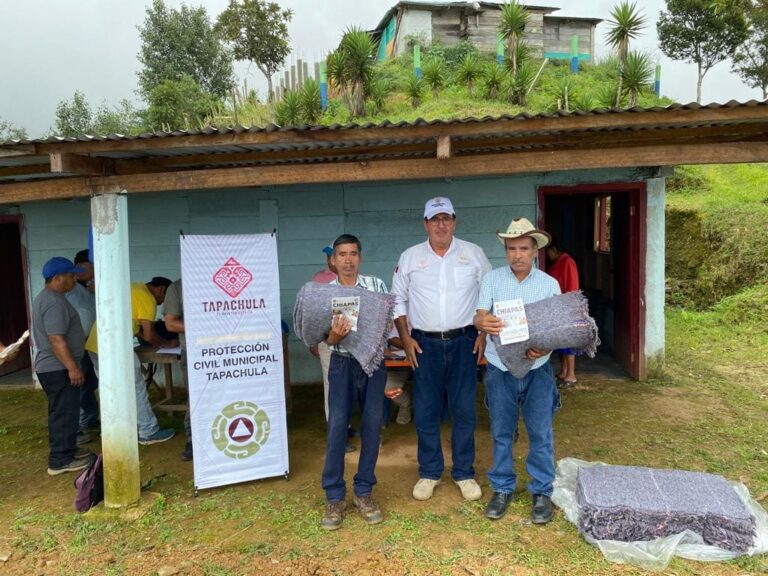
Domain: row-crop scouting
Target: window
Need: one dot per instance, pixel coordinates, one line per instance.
(602, 224)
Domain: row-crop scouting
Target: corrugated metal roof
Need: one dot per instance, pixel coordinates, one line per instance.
(647, 137)
(304, 128)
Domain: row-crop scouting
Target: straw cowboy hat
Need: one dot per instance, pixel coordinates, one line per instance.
(521, 228)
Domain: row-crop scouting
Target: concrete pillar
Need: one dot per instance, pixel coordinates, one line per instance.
(122, 482)
(654, 279)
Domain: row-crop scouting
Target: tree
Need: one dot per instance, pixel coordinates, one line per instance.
(751, 58)
(636, 75)
(351, 68)
(625, 26)
(180, 105)
(10, 132)
(696, 31)
(175, 43)
(257, 31)
(121, 119)
(74, 117)
(512, 23)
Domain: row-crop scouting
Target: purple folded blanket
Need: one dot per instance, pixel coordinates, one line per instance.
(629, 504)
(312, 320)
(561, 321)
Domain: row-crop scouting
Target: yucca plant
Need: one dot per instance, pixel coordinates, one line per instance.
(626, 23)
(562, 91)
(520, 85)
(512, 23)
(414, 89)
(468, 72)
(434, 75)
(377, 91)
(493, 80)
(606, 95)
(584, 101)
(310, 105)
(288, 110)
(359, 50)
(636, 75)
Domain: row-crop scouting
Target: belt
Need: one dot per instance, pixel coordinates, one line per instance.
(448, 335)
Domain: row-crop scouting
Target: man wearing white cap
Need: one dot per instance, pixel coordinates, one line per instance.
(535, 393)
(436, 284)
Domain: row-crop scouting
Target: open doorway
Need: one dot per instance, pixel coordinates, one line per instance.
(602, 227)
(13, 292)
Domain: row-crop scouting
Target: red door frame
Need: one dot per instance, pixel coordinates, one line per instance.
(637, 247)
(18, 219)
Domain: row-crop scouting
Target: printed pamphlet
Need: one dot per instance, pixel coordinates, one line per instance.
(12, 348)
(515, 322)
(349, 306)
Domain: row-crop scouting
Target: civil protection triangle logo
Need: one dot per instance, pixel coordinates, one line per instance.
(240, 430)
(232, 278)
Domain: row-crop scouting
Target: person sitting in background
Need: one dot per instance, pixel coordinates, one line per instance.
(563, 269)
(144, 301)
(173, 315)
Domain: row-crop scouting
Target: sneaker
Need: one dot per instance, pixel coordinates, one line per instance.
(334, 515)
(403, 415)
(84, 438)
(470, 489)
(73, 466)
(82, 453)
(424, 488)
(162, 435)
(368, 509)
(349, 448)
(186, 456)
(542, 510)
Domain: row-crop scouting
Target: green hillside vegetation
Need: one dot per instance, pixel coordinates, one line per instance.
(556, 88)
(717, 244)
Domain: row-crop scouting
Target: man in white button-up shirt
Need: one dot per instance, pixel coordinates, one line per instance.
(436, 284)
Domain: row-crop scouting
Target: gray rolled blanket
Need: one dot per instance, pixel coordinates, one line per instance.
(561, 321)
(312, 320)
(629, 504)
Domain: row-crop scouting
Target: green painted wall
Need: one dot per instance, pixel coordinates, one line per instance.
(387, 217)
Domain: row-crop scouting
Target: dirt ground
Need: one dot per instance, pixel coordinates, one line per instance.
(271, 526)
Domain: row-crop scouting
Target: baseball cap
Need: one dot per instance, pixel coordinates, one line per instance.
(436, 206)
(328, 250)
(60, 265)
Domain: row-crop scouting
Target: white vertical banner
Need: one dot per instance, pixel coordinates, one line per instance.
(231, 297)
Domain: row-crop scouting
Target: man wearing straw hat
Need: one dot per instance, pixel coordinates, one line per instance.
(535, 393)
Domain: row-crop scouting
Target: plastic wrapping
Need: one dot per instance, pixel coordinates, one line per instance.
(654, 554)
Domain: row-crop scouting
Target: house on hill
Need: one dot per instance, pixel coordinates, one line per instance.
(547, 35)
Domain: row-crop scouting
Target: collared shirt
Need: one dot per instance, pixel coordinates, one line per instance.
(439, 293)
(371, 283)
(501, 284)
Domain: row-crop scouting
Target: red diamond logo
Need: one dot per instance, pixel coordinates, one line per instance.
(232, 278)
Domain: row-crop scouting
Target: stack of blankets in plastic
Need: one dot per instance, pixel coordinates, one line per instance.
(561, 321)
(630, 504)
(313, 313)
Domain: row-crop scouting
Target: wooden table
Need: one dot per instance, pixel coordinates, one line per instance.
(149, 356)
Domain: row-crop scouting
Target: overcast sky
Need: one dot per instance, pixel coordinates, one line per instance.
(50, 48)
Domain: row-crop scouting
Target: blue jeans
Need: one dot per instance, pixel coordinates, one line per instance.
(348, 384)
(445, 367)
(537, 394)
(89, 407)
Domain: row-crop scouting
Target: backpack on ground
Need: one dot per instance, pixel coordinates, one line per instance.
(90, 484)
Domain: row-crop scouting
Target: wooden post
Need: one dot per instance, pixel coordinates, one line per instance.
(287, 85)
(117, 392)
(305, 73)
(317, 72)
(417, 61)
(293, 76)
(299, 74)
(323, 85)
(575, 54)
